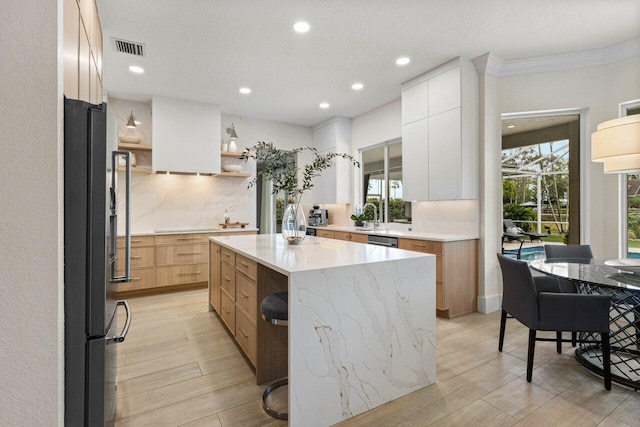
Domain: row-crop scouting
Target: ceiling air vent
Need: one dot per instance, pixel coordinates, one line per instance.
(131, 48)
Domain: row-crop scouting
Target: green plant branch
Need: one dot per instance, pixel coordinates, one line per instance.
(280, 168)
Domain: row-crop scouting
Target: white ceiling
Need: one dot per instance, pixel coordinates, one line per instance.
(206, 49)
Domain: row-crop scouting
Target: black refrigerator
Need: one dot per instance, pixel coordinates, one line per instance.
(93, 266)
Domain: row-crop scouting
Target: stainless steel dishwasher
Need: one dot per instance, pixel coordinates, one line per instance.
(390, 242)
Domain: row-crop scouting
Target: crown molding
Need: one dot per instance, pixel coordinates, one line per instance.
(566, 61)
(330, 121)
(488, 63)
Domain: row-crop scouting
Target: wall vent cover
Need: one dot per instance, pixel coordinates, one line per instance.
(132, 48)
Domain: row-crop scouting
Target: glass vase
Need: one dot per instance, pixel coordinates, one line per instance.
(294, 222)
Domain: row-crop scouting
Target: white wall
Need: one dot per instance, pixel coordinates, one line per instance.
(31, 282)
(378, 125)
(600, 89)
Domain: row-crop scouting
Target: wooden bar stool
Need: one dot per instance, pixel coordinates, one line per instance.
(275, 310)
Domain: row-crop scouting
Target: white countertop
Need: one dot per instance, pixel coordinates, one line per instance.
(313, 253)
(436, 237)
(163, 231)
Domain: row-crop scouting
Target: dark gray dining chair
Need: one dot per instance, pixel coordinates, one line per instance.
(568, 252)
(541, 310)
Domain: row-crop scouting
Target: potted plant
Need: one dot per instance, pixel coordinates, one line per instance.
(359, 219)
(280, 168)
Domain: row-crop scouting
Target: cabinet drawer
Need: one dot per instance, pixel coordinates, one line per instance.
(179, 239)
(246, 336)
(325, 233)
(137, 241)
(247, 266)
(227, 255)
(141, 278)
(359, 238)
(421, 246)
(246, 297)
(140, 257)
(182, 254)
(181, 274)
(340, 235)
(228, 279)
(228, 312)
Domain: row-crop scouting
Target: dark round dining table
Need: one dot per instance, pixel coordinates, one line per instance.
(593, 276)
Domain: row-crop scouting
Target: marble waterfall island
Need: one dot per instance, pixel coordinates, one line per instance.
(361, 322)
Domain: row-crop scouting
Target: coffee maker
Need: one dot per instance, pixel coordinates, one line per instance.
(318, 217)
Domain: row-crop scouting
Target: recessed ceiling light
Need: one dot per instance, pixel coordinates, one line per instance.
(511, 126)
(324, 105)
(403, 61)
(301, 27)
(136, 69)
(244, 90)
(357, 86)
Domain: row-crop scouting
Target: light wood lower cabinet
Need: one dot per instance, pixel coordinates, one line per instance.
(236, 287)
(325, 233)
(182, 274)
(171, 260)
(214, 276)
(456, 274)
(246, 335)
(351, 237)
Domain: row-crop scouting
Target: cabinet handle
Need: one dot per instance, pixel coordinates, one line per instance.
(188, 238)
(227, 279)
(244, 264)
(243, 295)
(189, 253)
(136, 256)
(226, 254)
(417, 245)
(136, 241)
(189, 274)
(242, 333)
(135, 279)
(226, 311)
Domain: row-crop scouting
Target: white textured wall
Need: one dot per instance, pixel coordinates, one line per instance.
(600, 89)
(31, 353)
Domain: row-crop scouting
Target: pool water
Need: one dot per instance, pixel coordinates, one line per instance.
(528, 254)
(537, 252)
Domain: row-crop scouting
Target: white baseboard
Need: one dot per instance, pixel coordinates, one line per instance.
(489, 304)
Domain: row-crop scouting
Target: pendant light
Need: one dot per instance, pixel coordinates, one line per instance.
(616, 143)
(131, 124)
(231, 131)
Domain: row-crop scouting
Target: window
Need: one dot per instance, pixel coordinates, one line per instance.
(632, 198)
(382, 183)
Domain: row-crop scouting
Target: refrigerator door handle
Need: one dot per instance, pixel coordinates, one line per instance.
(127, 248)
(120, 338)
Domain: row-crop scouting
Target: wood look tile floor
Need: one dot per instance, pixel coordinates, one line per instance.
(179, 367)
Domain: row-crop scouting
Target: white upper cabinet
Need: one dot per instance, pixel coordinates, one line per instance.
(415, 104)
(414, 184)
(186, 136)
(335, 184)
(444, 91)
(440, 153)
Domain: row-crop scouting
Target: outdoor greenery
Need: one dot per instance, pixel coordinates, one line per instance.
(522, 188)
(396, 208)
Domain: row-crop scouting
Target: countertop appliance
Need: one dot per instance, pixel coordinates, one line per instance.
(390, 242)
(311, 231)
(318, 217)
(91, 200)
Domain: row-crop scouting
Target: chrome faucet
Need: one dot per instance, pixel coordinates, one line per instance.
(375, 214)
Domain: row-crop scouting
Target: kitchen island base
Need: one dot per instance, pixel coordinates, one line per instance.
(361, 323)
